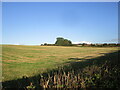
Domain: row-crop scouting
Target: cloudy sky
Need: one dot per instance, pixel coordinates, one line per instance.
(33, 23)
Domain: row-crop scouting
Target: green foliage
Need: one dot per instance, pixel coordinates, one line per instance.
(45, 44)
(63, 42)
(31, 86)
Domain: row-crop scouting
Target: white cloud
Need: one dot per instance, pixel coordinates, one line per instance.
(82, 42)
(75, 42)
(16, 44)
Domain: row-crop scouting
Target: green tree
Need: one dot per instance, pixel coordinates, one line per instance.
(45, 44)
(63, 42)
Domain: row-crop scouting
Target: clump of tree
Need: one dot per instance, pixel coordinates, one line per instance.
(45, 44)
(63, 42)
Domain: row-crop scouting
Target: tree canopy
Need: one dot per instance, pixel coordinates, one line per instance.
(63, 42)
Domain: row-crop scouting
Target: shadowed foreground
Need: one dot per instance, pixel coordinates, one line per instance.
(100, 72)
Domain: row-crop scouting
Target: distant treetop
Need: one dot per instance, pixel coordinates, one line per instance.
(63, 42)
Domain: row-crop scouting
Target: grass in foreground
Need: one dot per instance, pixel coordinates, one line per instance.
(18, 61)
(100, 72)
(78, 60)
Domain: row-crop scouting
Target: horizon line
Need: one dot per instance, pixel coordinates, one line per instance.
(53, 43)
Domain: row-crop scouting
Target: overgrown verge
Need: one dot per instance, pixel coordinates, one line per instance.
(104, 76)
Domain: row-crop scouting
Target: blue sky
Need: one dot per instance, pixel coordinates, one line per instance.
(33, 23)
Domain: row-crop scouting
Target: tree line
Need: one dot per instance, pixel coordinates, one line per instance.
(60, 41)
